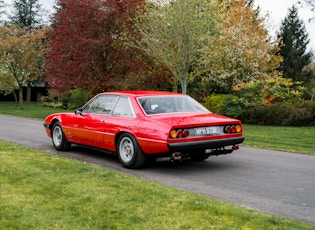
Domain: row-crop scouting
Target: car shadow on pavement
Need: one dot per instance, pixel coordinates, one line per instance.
(104, 159)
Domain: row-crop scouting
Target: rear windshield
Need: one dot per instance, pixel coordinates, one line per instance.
(170, 104)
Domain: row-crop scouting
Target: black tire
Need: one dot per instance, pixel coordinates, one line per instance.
(129, 153)
(59, 139)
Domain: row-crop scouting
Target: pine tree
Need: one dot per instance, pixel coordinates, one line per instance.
(294, 46)
(26, 13)
(2, 5)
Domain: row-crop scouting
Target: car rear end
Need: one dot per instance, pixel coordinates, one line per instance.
(216, 139)
(192, 129)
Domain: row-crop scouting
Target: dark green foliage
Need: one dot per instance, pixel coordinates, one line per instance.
(215, 102)
(293, 50)
(78, 98)
(282, 114)
(225, 104)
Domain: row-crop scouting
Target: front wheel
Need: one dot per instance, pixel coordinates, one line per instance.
(129, 153)
(59, 139)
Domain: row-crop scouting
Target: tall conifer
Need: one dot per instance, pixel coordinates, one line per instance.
(294, 46)
(26, 13)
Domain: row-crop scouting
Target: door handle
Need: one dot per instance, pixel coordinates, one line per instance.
(103, 121)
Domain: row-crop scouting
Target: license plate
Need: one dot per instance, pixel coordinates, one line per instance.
(207, 130)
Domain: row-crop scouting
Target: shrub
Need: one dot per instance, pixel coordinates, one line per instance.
(270, 91)
(310, 107)
(225, 104)
(215, 102)
(295, 113)
(281, 114)
(55, 105)
(275, 101)
(266, 115)
(77, 98)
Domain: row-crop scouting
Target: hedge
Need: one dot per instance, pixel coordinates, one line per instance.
(296, 113)
(281, 114)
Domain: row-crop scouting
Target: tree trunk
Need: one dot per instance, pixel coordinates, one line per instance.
(15, 96)
(175, 84)
(20, 98)
(183, 83)
(28, 92)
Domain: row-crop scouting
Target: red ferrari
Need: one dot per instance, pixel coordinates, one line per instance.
(141, 126)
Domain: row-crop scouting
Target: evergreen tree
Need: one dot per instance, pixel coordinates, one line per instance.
(2, 5)
(26, 13)
(294, 45)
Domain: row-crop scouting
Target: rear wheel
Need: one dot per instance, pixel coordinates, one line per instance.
(58, 138)
(129, 153)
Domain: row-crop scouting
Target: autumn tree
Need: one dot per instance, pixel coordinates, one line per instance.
(21, 52)
(171, 32)
(294, 46)
(87, 47)
(241, 52)
(27, 14)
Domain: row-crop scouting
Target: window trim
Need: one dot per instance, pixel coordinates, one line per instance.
(130, 105)
(93, 101)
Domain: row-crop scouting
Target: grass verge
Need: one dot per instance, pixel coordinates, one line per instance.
(30, 109)
(43, 191)
(294, 139)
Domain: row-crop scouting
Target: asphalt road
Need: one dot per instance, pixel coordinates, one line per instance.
(274, 182)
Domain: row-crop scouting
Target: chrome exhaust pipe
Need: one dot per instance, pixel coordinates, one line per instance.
(177, 156)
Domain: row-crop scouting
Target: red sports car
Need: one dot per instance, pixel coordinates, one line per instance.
(142, 126)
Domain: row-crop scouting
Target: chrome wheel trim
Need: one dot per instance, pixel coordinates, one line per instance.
(126, 149)
(57, 136)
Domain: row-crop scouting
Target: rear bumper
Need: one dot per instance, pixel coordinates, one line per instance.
(203, 145)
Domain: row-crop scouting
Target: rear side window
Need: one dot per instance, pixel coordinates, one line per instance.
(102, 104)
(123, 108)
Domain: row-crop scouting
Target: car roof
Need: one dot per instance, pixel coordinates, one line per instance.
(141, 93)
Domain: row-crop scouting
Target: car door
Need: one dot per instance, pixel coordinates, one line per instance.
(123, 119)
(92, 122)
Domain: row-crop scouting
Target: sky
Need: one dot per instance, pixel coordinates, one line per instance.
(277, 10)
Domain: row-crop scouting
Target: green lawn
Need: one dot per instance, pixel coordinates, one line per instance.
(31, 110)
(43, 191)
(295, 139)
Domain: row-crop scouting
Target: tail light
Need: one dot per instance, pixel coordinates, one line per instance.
(173, 134)
(233, 129)
(186, 133)
(178, 133)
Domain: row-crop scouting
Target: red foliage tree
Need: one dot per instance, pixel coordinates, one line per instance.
(87, 49)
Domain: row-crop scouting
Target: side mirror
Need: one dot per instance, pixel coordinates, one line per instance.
(78, 111)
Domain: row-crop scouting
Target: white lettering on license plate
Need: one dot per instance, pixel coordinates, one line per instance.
(207, 130)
